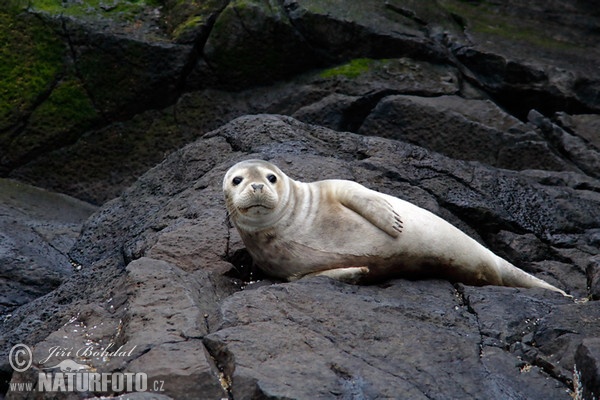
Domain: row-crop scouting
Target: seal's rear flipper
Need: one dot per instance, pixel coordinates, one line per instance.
(516, 277)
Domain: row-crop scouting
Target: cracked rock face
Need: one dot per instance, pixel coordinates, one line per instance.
(485, 114)
(166, 277)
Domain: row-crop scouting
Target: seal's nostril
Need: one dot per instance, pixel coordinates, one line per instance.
(257, 186)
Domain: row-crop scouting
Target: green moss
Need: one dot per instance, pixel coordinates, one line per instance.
(60, 118)
(68, 107)
(181, 17)
(108, 78)
(351, 70)
(31, 57)
(183, 29)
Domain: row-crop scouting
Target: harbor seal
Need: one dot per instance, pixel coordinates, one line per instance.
(343, 230)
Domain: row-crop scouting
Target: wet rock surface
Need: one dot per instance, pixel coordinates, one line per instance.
(485, 114)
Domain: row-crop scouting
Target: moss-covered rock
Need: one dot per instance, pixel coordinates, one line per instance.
(55, 122)
(31, 58)
(188, 21)
(102, 162)
(352, 69)
(364, 76)
(67, 107)
(65, 66)
(123, 74)
(59, 119)
(118, 10)
(70, 68)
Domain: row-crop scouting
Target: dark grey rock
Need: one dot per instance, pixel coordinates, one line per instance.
(517, 81)
(576, 149)
(37, 229)
(120, 90)
(586, 126)
(593, 277)
(165, 276)
(351, 30)
(587, 362)
(463, 129)
(543, 334)
(256, 43)
(137, 144)
(328, 112)
(322, 345)
(159, 271)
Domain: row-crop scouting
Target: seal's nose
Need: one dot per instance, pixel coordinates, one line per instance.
(257, 186)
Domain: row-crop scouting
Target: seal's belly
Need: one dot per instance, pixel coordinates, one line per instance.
(335, 241)
(341, 238)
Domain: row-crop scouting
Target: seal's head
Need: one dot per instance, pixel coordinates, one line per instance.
(255, 191)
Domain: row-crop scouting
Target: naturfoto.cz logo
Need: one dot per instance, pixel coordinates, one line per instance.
(68, 375)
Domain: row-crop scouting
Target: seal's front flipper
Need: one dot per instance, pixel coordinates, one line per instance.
(349, 275)
(374, 208)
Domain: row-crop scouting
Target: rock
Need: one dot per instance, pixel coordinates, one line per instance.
(587, 365)
(37, 229)
(310, 355)
(104, 61)
(253, 42)
(114, 104)
(140, 141)
(593, 277)
(372, 29)
(190, 22)
(526, 380)
(463, 129)
(542, 334)
(165, 277)
(29, 71)
(91, 79)
(516, 247)
(498, 55)
(144, 140)
(330, 112)
(90, 132)
(576, 149)
(349, 352)
(585, 126)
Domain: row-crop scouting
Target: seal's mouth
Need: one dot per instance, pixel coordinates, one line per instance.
(254, 206)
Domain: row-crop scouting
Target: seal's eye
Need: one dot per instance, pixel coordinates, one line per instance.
(272, 178)
(237, 180)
